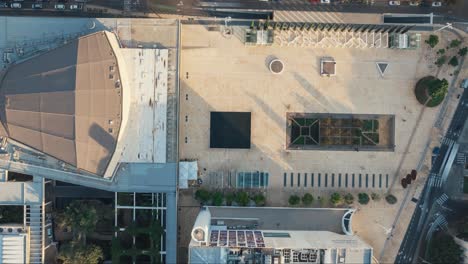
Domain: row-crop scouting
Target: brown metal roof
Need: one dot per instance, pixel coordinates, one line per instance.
(66, 103)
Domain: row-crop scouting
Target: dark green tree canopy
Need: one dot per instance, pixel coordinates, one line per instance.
(76, 253)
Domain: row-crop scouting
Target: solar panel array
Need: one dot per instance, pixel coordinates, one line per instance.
(237, 238)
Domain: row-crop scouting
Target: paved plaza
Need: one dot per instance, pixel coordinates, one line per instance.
(222, 74)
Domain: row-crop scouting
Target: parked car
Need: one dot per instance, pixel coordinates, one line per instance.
(3, 5)
(436, 4)
(36, 6)
(414, 3)
(394, 3)
(15, 5)
(59, 6)
(75, 7)
(324, 1)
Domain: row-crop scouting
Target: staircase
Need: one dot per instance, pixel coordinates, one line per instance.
(34, 221)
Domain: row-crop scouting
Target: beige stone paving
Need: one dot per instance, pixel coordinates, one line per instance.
(224, 75)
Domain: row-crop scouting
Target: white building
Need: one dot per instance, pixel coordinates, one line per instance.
(276, 235)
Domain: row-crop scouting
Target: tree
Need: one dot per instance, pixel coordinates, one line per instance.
(75, 253)
(375, 196)
(363, 198)
(349, 198)
(218, 199)
(438, 88)
(242, 198)
(229, 198)
(294, 200)
(455, 43)
(335, 198)
(432, 41)
(431, 91)
(307, 199)
(404, 183)
(453, 61)
(408, 178)
(462, 52)
(259, 199)
(441, 61)
(203, 195)
(414, 173)
(81, 217)
(441, 51)
(391, 199)
(444, 249)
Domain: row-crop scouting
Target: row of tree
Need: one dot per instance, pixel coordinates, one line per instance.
(336, 199)
(409, 178)
(240, 198)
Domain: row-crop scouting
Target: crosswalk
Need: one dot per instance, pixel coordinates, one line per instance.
(447, 141)
(461, 158)
(301, 11)
(435, 181)
(442, 199)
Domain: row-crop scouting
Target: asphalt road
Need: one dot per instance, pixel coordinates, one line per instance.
(426, 207)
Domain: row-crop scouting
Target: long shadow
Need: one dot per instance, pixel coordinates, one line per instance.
(103, 138)
(281, 121)
(308, 87)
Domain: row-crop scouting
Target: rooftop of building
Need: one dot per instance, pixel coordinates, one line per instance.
(89, 129)
(227, 233)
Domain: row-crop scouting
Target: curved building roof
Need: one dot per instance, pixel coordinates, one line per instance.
(66, 103)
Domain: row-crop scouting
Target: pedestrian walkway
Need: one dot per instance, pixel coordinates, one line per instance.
(300, 11)
(447, 141)
(335, 180)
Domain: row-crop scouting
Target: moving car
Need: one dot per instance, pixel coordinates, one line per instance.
(394, 3)
(436, 4)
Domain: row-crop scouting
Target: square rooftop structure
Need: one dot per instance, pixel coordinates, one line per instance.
(327, 67)
(230, 130)
(267, 235)
(93, 102)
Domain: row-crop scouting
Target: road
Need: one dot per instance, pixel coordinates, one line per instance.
(427, 207)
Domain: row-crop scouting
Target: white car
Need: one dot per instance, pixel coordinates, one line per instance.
(15, 5)
(436, 4)
(59, 6)
(324, 1)
(414, 3)
(75, 7)
(394, 3)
